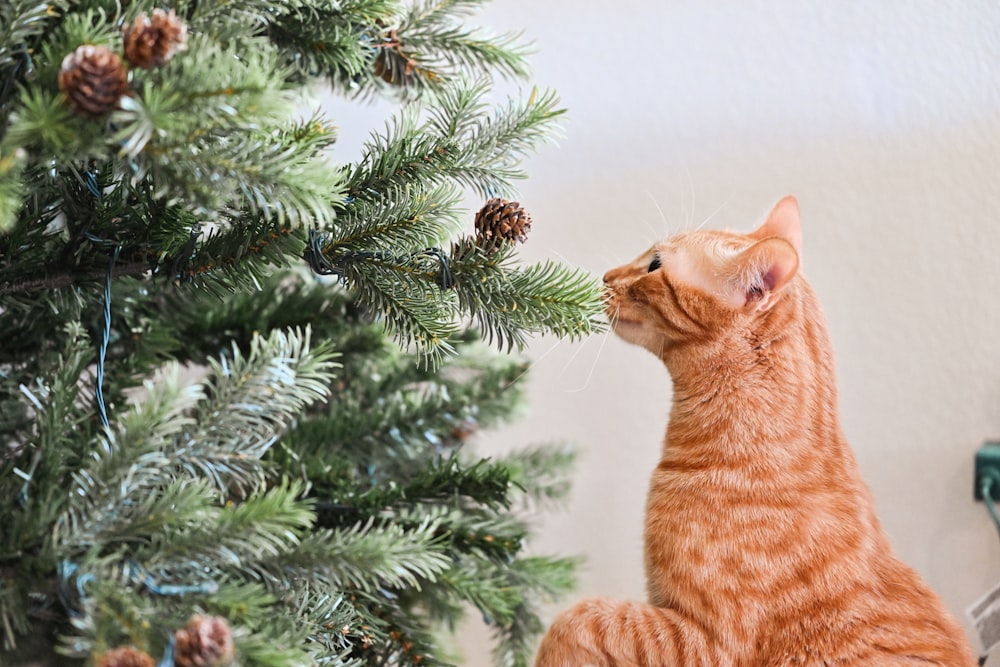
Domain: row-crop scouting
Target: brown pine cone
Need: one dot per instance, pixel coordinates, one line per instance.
(501, 221)
(392, 65)
(93, 80)
(124, 656)
(206, 641)
(151, 42)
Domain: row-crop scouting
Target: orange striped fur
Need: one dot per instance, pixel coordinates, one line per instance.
(762, 544)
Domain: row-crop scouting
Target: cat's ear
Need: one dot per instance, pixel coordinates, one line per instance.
(759, 273)
(783, 222)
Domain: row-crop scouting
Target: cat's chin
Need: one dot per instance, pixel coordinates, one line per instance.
(630, 331)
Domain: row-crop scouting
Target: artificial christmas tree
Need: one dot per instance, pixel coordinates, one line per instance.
(237, 380)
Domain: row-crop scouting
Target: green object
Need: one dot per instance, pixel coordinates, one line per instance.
(239, 372)
(987, 471)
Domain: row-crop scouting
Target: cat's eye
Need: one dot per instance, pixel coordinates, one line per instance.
(655, 264)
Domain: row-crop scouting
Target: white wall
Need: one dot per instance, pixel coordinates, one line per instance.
(884, 120)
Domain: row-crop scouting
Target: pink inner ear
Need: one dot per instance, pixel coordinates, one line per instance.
(763, 270)
(784, 221)
(770, 279)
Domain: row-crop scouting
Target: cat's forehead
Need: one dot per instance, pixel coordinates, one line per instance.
(699, 258)
(720, 243)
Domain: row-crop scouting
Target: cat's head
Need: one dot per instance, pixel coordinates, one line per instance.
(701, 284)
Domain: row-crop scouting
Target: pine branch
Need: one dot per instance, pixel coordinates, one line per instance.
(438, 44)
(410, 643)
(11, 190)
(252, 399)
(365, 558)
(59, 279)
(158, 441)
(238, 257)
(45, 121)
(540, 579)
(494, 146)
(428, 49)
(33, 479)
(203, 324)
(540, 472)
(408, 294)
(231, 20)
(511, 303)
(127, 465)
(485, 156)
(560, 300)
(77, 26)
(405, 422)
(22, 21)
(461, 141)
(152, 235)
(267, 631)
(402, 155)
(485, 292)
(469, 530)
(475, 581)
(241, 257)
(331, 626)
(332, 41)
(14, 619)
(403, 221)
(219, 136)
(197, 532)
(441, 481)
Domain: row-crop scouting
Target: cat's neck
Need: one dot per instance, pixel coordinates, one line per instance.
(773, 383)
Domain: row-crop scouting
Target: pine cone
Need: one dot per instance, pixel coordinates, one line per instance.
(207, 641)
(93, 80)
(501, 221)
(392, 65)
(125, 656)
(151, 42)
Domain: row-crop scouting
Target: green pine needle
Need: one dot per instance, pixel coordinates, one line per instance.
(370, 555)
(254, 397)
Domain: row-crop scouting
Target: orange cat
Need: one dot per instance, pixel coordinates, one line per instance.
(762, 545)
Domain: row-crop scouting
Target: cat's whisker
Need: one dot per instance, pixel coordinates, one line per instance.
(562, 258)
(573, 357)
(593, 366)
(690, 213)
(652, 230)
(611, 259)
(534, 362)
(600, 350)
(613, 317)
(663, 217)
(714, 213)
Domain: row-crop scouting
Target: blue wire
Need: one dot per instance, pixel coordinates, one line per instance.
(106, 335)
(142, 576)
(168, 654)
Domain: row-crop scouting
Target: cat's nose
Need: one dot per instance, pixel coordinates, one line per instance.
(609, 276)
